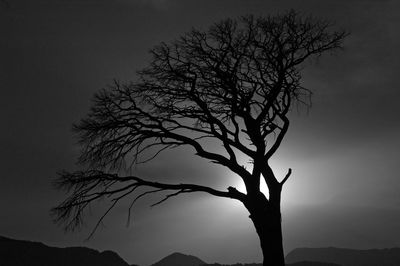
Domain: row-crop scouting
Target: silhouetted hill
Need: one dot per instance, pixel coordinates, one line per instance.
(347, 257)
(312, 263)
(26, 253)
(179, 259)
(302, 263)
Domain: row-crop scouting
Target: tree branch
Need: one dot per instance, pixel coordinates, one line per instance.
(90, 186)
(286, 177)
(279, 138)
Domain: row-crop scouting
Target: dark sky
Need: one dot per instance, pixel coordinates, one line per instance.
(345, 153)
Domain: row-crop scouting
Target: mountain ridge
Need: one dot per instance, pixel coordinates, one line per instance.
(30, 253)
(15, 252)
(179, 259)
(347, 257)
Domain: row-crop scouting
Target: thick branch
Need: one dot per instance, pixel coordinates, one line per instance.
(279, 138)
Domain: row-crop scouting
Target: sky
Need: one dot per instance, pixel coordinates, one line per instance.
(344, 151)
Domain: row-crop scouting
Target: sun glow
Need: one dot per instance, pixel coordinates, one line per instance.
(278, 171)
(242, 188)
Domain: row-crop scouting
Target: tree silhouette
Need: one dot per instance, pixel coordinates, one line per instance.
(234, 83)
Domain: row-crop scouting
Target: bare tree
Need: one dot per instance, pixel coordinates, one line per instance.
(234, 84)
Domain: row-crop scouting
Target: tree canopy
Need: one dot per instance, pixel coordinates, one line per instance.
(234, 83)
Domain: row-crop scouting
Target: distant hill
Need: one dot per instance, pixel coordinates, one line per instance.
(26, 253)
(179, 259)
(302, 263)
(312, 263)
(347, 257)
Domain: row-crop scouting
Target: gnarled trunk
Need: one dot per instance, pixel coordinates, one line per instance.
(266, 217)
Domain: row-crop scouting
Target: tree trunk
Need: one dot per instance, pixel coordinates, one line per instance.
(266, 217)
